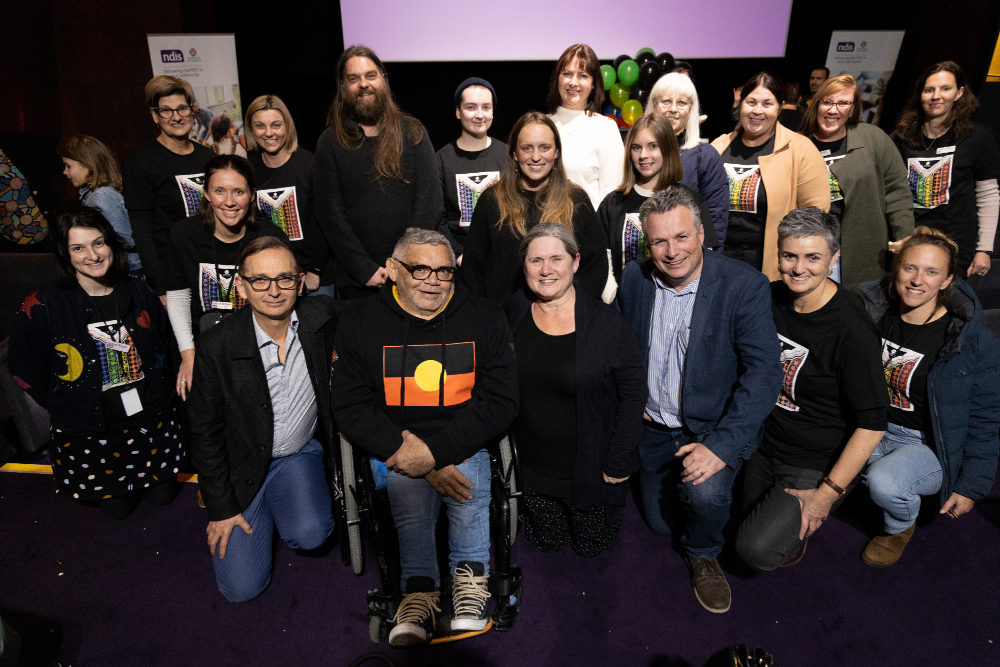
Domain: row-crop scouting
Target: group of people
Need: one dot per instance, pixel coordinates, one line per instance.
(659, 308)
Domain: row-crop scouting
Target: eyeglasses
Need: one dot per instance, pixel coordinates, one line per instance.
(421, 272)
(263, 283)
(842, 105)
(667, 103)
(166, 112)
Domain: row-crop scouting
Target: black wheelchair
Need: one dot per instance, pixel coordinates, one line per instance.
(363, 511)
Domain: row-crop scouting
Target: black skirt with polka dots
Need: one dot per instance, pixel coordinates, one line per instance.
(96, 466)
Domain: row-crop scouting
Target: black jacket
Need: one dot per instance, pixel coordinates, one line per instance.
(387, 376)
(610, 398)
(229, 406)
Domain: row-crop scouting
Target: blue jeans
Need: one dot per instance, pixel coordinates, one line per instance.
(900, 470)
(704, 508)
(415, 509)
(295, 499)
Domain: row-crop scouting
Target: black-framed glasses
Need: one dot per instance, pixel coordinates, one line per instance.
(183, 111)
(842, 105)
(263, 283)
(421, 272)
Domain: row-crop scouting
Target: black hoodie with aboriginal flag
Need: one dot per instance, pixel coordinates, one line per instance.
(387, 376)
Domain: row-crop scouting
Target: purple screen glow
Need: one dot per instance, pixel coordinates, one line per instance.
(441, 30)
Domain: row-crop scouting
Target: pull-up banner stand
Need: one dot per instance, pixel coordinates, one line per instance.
(870, 57)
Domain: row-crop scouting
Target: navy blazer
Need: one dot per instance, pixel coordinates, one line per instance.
(732, 371)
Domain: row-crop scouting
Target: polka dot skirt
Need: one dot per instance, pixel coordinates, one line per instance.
(552, 524)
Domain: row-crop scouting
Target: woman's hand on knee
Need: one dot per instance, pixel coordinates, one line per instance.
(957, 505)
(815, 505)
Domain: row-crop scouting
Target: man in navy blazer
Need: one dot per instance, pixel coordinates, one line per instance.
(713, 370)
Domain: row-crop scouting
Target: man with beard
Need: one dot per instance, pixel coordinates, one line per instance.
(375, 175)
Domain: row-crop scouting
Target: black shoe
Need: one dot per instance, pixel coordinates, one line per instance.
(469, 594)
(415, 621)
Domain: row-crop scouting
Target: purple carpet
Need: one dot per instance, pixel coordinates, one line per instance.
(89, 591)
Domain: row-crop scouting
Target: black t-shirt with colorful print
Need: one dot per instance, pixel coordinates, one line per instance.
(908, 352)
(831, 152)
(747, 201)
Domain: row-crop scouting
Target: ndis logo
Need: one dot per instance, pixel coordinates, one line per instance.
(171, 56)
(845, 47)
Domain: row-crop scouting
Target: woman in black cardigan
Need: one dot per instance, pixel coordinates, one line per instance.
(583, 390)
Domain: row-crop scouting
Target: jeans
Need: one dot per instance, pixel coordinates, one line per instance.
(415, 509)
(704, 507)
(769, 534)
(325, 290)
(295, 499)
(900, 470)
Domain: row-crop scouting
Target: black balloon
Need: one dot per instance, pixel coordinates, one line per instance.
(620, 59)
(665, 61)
(642, 95)
(649, 73)
(643, 58)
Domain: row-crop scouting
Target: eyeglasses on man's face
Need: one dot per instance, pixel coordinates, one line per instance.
(421, 272)
(166, 112)
(263, 283)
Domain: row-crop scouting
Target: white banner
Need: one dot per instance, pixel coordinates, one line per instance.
(870, 57)
(208, 63)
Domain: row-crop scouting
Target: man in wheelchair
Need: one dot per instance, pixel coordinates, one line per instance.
(425, 380)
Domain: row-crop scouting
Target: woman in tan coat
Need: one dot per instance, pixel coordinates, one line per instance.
(771, 171)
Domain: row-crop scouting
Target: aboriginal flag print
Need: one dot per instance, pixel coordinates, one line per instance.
(744, 181)
(899, 363)
(793, 356)
(280, 206)
(422, 374)
(930, 180)
(192, 187)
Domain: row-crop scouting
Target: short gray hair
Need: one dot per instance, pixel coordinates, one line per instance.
(417, 236)
(549, 229)
(810, 221)
(668, 199)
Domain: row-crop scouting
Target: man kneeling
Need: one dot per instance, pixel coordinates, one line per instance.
(425, 379)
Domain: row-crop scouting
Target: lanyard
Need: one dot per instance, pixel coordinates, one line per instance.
(114, 332)
(224, 293)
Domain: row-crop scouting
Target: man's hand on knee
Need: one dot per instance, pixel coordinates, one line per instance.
(449, 481)
(413, 458)
(219, 532)
(699, 463)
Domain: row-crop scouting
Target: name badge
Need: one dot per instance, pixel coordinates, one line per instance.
(131, 402)
(945, 149)
(222, 305)
(825, 153)
(117, 347)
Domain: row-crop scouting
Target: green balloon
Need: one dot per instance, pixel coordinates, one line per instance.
(618, 94)
(608, 74)
(628, 73)
(645, 50)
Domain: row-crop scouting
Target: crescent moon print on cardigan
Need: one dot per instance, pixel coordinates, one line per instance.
(422, 374)
(470, 187)
(930, 180)
(281, 207)
(900, 364)
(192, 189)
(793, 356)
(744, 180)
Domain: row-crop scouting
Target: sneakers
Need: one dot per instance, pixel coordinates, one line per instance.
(710, 585)
(469, 595)
(415, 621)
(885, 550)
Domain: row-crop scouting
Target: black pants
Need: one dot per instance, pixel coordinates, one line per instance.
(769, 534)
(552, 524)
(120, 507)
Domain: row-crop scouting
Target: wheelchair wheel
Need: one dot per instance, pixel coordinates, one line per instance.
(351, 505)
(511, 482)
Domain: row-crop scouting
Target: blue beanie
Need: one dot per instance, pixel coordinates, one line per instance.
(474, 81)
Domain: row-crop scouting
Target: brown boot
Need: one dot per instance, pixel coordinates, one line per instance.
(710, 585)
(885, 550)
(798, 555)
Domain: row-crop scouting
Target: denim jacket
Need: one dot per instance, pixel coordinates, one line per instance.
(112, 206)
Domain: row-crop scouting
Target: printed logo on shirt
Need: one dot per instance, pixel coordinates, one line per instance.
(118, 366)
(633, 242)
(470, 187)
(930, 180)
(281, 207)
(192, 189)
(793, 356)
(900, 364)
(217, 289)
(744, 181)
(836, 194)
(422, 374)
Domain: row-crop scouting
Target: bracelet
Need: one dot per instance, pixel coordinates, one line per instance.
(986, 252)
(836, 487)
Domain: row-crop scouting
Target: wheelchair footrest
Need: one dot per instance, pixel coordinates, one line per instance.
(505, 584)
(444, 633)
(381, 605)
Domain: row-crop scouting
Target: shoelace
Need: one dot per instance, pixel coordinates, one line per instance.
(469, 592)
(415, 607)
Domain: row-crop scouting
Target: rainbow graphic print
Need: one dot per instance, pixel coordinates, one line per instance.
(836, 194)
(470, 187)
(744, 181)
(216, 287)
(900, 364)
(192, 188)
(930, 180)
(117, 368)
(280, 205)
(633, 242)
(793, 356)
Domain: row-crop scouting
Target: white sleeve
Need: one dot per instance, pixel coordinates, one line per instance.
(179, 311)
(988, 208)
(611, 156)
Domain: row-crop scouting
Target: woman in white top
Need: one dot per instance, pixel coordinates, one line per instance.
(593, 151)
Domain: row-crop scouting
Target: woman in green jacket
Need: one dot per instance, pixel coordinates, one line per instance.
(868, 187)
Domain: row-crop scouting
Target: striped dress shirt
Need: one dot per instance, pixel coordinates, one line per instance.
(669, 328)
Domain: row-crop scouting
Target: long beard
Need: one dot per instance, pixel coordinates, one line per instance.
(368, 110)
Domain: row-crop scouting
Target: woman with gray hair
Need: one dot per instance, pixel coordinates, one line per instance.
(831, 412)
(582, 393)
(675, 97)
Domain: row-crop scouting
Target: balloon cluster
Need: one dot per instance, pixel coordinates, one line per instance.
(629, 81)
